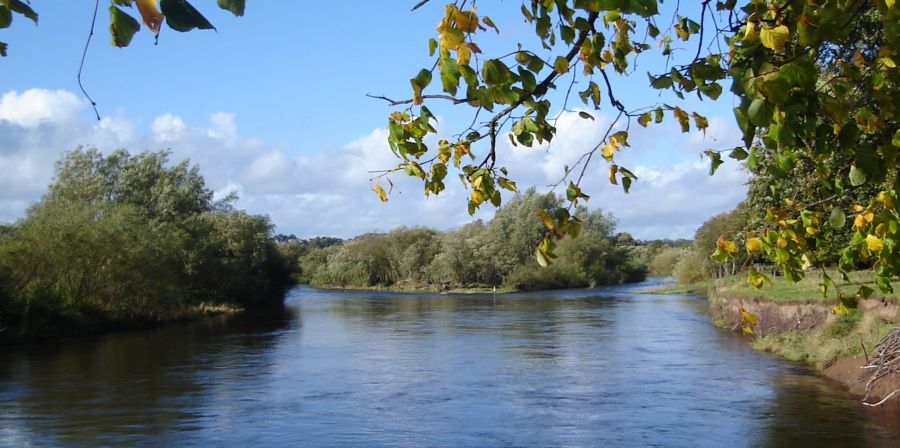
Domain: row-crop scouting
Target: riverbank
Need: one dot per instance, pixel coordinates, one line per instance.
(795, 322)
(50, 326)
(430, 289)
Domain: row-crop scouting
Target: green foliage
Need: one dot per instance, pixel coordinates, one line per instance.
(180, 15)
(816, 86)
(497, 253)
(844, 337)
(125, 239)
(663, 263)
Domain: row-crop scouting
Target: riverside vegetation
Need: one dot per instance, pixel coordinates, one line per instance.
(831, 329)
(123, 240)
(480, 255)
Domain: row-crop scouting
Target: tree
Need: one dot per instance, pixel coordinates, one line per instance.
(786, 63)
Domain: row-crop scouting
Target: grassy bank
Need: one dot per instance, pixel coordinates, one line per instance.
(849, 335)
(780, 290)
(796, 321)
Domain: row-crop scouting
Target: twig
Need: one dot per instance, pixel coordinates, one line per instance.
(393, 102)
(84, 55)
(882, 400)
(419, 5)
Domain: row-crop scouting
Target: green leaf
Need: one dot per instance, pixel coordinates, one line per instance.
(760, 112)
(449, 74)
(777, 90)
(857, 176)
(5, 17)
(837, 219)
(495, 73)
(22, 8)
(432, 45)
(585, 115)
(896, 140)
(529, 82)
(235, 6)
(422, 79)
(182, 16)
(774, 38)
(715, 160)
(561, 65)
(644, 119)
(121, 26)
(713, 91)
(738, 153)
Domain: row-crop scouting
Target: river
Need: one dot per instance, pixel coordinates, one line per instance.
(602, 367)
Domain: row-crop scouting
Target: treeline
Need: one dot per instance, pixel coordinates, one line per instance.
(127, 239)
(480, 254)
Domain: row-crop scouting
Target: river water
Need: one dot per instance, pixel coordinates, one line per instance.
(602, 367)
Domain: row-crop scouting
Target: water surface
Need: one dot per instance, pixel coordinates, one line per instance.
(601, 367)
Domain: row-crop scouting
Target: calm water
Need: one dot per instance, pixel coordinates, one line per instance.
(571, 368)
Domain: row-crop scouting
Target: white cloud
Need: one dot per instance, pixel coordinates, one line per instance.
(222, 126)
(328, 192)
(168, 127)
(38, 106)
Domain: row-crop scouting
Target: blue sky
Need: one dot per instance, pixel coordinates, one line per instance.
(273, 105)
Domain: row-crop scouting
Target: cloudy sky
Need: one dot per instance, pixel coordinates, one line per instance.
(282, 119)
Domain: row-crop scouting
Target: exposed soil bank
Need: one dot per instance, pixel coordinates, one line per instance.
(792, 322)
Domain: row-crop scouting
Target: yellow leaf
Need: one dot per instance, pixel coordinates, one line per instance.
(463, 54)
(487, 21)
(747, 316)
(747, 330)
(754, 245)
(476, 197)
(382, 195)
(874, 243)
(150, 14)
(885, 199)
(774, 38)
(466, 21)
(561, 65)
(546, 219)
(807, 263)
(889, 3)
(451, 38)
(613, 169)
(608, 151)
(726, 246)
(782, 243)
(750, 33)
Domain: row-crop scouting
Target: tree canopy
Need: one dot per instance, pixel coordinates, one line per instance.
(814, 81)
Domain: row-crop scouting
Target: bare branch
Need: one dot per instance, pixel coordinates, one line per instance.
(419, 5)
(84, 55)
(393, 102)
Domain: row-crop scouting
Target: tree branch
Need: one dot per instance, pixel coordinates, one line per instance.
(392, 102)
(419, 5)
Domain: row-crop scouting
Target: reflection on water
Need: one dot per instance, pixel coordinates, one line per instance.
(565, 368)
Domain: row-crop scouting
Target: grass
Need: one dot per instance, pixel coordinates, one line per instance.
(700, 287)
(806, 290)
(820, 347)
